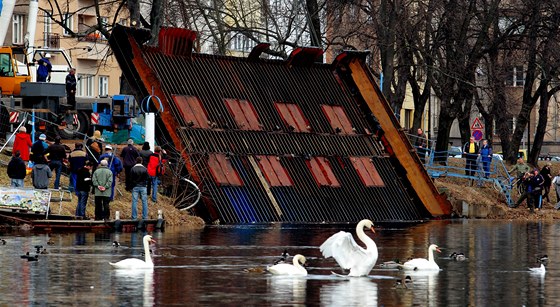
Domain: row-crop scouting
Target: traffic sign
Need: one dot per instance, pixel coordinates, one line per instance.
(477, 124)
(477, 134)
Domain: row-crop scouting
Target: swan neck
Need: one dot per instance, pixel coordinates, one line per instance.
(363, 237)
(147, 256)
(431, 255)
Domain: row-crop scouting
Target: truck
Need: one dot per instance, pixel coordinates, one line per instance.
(47, 100)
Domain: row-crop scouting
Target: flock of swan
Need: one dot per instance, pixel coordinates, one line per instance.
(342, 247)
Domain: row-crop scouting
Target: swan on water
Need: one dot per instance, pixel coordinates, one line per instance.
(134, 263)
(420, 264)
(348, 254)
(539, 270)
(290, 269)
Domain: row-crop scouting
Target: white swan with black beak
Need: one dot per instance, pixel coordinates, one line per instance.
(134, 263)
(348, 254)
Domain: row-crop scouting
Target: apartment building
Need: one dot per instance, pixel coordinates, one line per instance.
(87, 51)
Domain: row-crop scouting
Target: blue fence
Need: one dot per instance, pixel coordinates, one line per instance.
(437, 165)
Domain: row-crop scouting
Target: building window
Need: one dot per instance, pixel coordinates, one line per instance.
(68, 23)
(293, 117)
(105, 24)
(244, 114)
(240, 42)
(47, 29)
(17, 29)
(103, 86)
(192, 111)
(274, 172)
(338, 119)
(516, 76)
(85, 85)
(322, 172)
(367, 171)
(407, 118)
(222, 170)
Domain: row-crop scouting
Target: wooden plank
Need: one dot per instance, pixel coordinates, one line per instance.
(199, 111)
(397, 143)
(266, 187)
(186, 111)
(298, 117)
(286, 115)
(231, 176)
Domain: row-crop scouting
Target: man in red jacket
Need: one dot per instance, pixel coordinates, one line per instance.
(22, 143)
(156, 167)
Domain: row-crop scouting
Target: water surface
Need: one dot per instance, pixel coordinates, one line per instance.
(206, 267)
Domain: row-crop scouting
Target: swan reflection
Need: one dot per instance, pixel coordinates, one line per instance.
(358, 291)
(290, 288)
(136, 281)
(425, 287)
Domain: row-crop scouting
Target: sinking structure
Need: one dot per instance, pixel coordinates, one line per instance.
(279, 141)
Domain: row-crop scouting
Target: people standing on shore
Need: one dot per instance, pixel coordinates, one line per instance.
(94, 147)
(145, 153)
(556, 184)
(524, 183)
(421, 144)
(156, 168)
(520, 169)
(77, 160)
(114, 164)
(22, 143)
(40, 175)
(139, 179)
(83, 188)
(55, 154)
(102, 180)
(546, 173)
(38, 149)
(485, 153)
(470, 150)
(537, 182)
(17, 170)
(129, 155)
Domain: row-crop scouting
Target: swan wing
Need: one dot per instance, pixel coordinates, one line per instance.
(342, 247)
(132, 263)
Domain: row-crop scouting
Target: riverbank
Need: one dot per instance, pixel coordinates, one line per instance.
(121, 203)
(491, 204)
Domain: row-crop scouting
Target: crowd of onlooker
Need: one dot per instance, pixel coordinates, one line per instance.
(93, 168)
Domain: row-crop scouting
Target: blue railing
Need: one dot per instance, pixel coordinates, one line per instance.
(437, 165)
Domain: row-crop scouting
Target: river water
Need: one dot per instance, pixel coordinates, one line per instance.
(206, 267)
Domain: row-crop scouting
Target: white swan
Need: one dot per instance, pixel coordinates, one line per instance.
(290, 269)
(421, 264)
(348, 254)
(539, 270)
(134, 263)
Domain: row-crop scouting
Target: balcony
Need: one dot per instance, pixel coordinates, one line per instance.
(51, 40)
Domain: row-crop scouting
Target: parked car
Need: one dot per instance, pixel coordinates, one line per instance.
(522, 153)
(455, 152)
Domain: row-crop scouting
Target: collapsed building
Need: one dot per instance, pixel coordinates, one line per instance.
(279, 140)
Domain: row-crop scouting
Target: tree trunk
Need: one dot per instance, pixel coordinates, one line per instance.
(156, 20)
(444, 128)
(541, 128)
(314, 24)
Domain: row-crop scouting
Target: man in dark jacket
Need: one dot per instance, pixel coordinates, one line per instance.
(138, 181)
(129, 155)
(470, 150)
(16, 170)
(55, 154)
(38, 150)
(83, 188)
(71, 88)
(77, 160)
